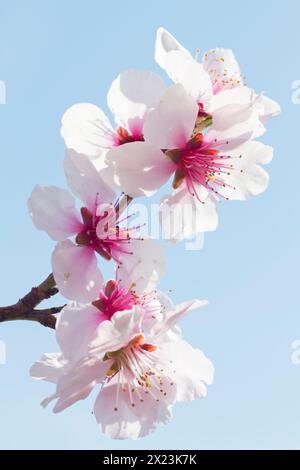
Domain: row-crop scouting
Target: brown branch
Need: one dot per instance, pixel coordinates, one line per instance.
(25, 308)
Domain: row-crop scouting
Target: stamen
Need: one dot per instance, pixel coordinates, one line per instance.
(202, 163)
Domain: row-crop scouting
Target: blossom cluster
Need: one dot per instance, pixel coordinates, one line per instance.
(121, 335)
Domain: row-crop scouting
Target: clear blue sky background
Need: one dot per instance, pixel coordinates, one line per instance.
(56, 53)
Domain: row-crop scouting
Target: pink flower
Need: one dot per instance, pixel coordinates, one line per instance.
(141, 375)
(220, 161)
(86, 129)
(96, 229)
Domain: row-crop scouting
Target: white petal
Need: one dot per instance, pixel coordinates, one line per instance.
(192, 370)
(76, 272)
(138, 168)
(170, 125)
(240, 95)
(164, 44)
(75, 327)
(241, 111)
(181, 67)
(268, 108)
(223, 69)
(183, 215)
(114, 334)
(247, 176)
(239, 100)
(128, 422)
(78, 383)
(86, 129)
(50, 367)
(86, 181)
(53, 209)
(144, 268)
(131, 94)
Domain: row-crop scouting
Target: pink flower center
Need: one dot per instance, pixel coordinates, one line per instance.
(200, 162)
(114, 298)
(125, 137)
(103, 234)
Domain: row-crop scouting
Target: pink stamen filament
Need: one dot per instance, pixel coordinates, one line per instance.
(202, 163)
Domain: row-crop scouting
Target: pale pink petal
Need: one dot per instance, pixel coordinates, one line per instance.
(86, 129)
(247, 178)
(75, 327)
(50, 367)
(239, 101)
(132, 94)
(191, 75)
(86, 180)
(242, 113)
(53, 210)
(165, 305)
(138, 168)
(268, 108)
(191, 369)
(225, 142)
(131, 422)
(183, 215)
(170, 125)
(143, 269)
(181, 67)
(76, 272)
(173, 316)
(78, 383)
(223, 69)
(236, 96)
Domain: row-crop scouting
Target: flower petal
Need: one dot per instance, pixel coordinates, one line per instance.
(247, 176)
(138, 168)
(75, 327)
(166, 43)
(236, 103)
(191, 369)
(183, 215)
(127, 421)
(86, 129)
(78, 383)
(171, 317)
(181, 67)
(50, 367)
(53, 210)
(131, 94)
(191, 75)
(144, 268)
(86, 181)
(242, 113)
(170, 125)
(223, 69)
(113, 334)
(76, 272)
(268, 107)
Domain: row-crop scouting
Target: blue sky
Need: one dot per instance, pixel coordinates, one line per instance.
(56, 53)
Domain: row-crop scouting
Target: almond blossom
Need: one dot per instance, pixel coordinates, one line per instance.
(96, 229)
(139, 374)
(86, 128)
(222, 161)
(218, 71)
